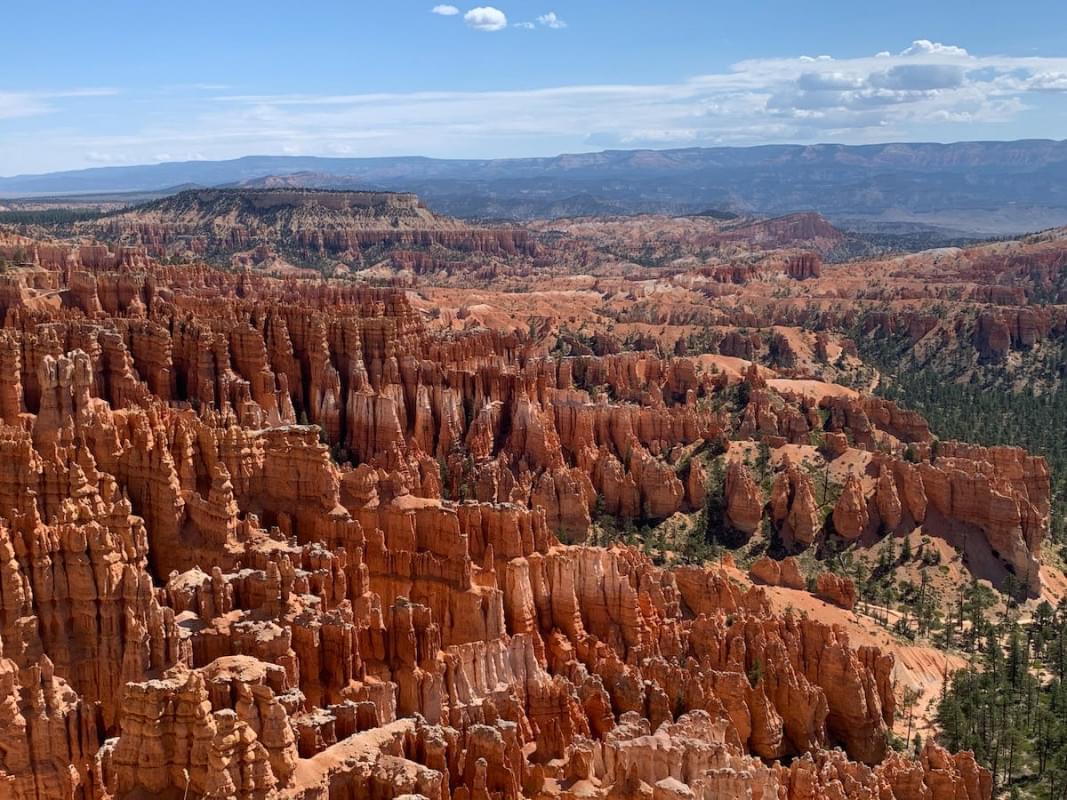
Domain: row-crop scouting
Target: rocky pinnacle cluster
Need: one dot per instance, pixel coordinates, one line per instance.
(268, 538)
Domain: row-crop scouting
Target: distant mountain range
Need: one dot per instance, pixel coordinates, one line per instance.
(985, 187)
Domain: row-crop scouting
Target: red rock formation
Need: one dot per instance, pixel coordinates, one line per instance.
(850, 512)
(47, 735)
(887, 500)
(836, 589)
(744, 499)
(999, 490)
(696, 484)
(201, 595)
(766, 570)
(804, 266)
(778, 573)
(793, 506)
(312, 224)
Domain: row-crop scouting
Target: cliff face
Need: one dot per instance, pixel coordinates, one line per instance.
(272, 539)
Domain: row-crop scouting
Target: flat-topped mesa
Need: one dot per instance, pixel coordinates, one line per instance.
(370, 204)
(307, 224)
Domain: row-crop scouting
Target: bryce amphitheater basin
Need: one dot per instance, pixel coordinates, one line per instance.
(266, 535)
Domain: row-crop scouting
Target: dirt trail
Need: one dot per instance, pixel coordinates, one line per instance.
(814, 389)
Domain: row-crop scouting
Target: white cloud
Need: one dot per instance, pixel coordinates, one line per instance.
(924, 47)
(1048, 82)
(32, 104)
(550, 20)
(108, 157)
(947, 93)
(819, 81)
(919, 77)
(486, 18)
(756, 100)
(526, 26)
(445, 10)
(18, 104)
(672, 137)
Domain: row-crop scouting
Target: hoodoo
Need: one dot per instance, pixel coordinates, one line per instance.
(264, 537)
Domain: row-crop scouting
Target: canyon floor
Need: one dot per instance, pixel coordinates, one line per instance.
(320, 495)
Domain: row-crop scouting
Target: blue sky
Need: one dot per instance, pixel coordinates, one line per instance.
(116, 82)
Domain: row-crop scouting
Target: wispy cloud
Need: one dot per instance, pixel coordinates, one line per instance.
(98, 91)
(31, 104)
(925, 90)
(445, 10)
(19, 104)
(107, 158)
(794, 98)
(550, 20)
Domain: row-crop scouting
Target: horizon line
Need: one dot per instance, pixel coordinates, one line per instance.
(294, 156)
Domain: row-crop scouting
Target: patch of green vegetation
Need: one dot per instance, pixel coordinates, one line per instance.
(49, 216)
(1009, 706)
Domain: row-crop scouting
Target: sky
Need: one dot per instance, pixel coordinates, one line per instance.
(106, 82)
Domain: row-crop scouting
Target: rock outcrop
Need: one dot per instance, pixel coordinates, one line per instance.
(850, 515)
(785, 573)
(836, 589)
(744, 499)
(887, 500)
(794, 508)
(804, 266)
